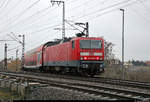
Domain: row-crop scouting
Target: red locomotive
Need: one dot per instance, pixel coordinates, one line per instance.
(84, 55)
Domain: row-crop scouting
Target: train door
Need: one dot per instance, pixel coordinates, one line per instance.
(39, 58)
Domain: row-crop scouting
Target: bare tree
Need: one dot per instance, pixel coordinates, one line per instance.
(109, 56)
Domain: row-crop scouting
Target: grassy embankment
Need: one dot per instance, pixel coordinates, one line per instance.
(135, 74)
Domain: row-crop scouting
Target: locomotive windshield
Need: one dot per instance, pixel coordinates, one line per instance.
(90, 44)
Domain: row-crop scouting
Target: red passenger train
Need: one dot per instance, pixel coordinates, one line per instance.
(84, 55)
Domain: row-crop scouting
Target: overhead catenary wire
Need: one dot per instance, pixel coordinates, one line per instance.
(87, 7)
(102, 9)
(11, 9)
(145, 7)
(17, 24)
(12, 38)
(23, 12)
(14, 48)
(106, 11)
(38, 20)
(73, 26)
(28, 18)
(111, 10)
(35, 42)
(80, 5)
(16, 37)
(3, 3)
(45, 28)
(7, 2)
(140, 15)
(12, 26)
(32, 26)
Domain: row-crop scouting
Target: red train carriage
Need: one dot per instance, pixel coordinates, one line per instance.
(80, 54)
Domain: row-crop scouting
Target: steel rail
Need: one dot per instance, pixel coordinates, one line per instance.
(97, 90)
(137, 84)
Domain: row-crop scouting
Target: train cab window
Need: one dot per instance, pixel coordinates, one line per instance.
(85, 44)
(96, 44)
(73, 44)
(90, 44)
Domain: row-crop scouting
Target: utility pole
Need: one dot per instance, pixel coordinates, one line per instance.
(16, 59)
(5, 54)
(23, 50)
(87, 29)
(5, 57)
(63, 16)
(23, 46)
(123, 76)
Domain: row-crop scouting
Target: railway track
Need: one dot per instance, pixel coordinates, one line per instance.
(134, 84)
(103, 92)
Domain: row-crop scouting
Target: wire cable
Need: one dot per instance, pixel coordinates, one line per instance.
(5, 6)
(102, 9)
(145, 7)
(3, 3)
(24, 11)
(140, 15)
(12, 8)
(114, 9)
(45, 28)
(28, 18)
(14, 48)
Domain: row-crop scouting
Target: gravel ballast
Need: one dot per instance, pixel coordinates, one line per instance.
(54, 93)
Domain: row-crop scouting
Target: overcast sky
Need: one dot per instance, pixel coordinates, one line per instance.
(38, 18)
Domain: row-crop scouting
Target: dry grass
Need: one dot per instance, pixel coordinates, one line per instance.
(12, 66)
(5, 94)
(135, 74)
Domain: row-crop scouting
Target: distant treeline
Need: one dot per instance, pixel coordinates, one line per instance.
(139, 63)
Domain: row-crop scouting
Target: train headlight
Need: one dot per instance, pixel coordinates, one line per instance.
(85, 58)
(101, 58)
(81, 58)
(97, 58)
(84, 54)
(98, 54)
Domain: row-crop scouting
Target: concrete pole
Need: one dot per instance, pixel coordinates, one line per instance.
(5, 57)
(23, 50)
(16, 59)
(123, 76)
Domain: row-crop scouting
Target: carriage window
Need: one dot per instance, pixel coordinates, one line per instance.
(73, 44)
